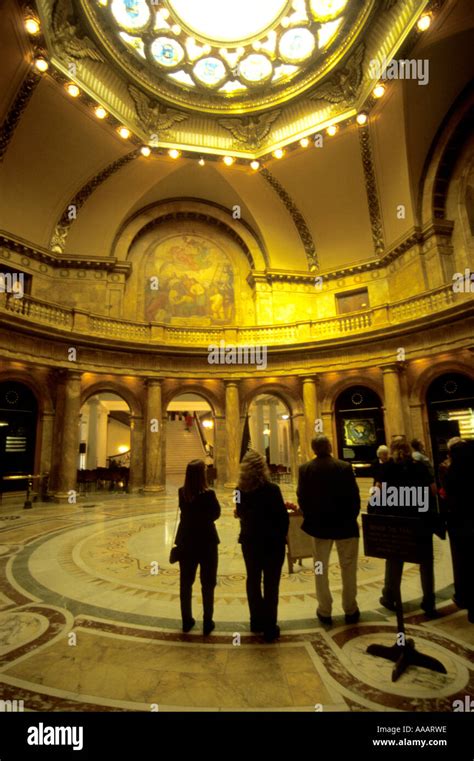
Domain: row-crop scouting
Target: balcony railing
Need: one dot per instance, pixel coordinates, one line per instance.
(81, 322)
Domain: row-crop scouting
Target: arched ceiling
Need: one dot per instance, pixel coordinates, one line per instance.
(55, 147)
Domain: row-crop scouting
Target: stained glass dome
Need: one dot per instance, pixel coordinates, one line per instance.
(226, 48)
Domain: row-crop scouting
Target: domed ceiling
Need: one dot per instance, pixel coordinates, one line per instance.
(222, 76)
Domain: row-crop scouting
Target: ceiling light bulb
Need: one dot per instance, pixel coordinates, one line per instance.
(361, 118)
(32, 25)
(228, 160)
(331, 131)
(201, 162)
(378, 91)
(279, 153)
(424, 22)
(124, 133)
(304, 142)
(100, 112)
(174, 153)
(255, 165)
(146, 151)
(73, 90)
(41, 64)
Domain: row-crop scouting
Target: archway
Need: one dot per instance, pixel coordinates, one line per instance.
(105, 443)
(18, 435)
(450, 405)
(359, 427)
(268, 430)
(190, 435)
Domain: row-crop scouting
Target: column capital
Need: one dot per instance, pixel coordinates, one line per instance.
(64, 375)
(151, 382)
(232, 383)
(393, 367)
(310, 379)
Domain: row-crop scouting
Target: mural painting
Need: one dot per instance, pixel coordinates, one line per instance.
(195, 280)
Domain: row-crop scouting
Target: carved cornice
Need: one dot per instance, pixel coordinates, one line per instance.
(297, 217)
(12, 120)
(54, 260)
(61, 231)
(371, 189)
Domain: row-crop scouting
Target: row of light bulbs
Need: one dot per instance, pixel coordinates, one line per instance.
(32, 26)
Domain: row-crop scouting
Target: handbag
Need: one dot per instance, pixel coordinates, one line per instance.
(175, 552)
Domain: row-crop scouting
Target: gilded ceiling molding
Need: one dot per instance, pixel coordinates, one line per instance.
(298, 219)
(371, 189)
(61, 231)
(12, 119)
(9, 244)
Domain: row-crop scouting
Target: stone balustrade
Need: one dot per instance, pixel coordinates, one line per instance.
(75, 321)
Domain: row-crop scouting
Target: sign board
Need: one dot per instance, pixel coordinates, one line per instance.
(388, 536)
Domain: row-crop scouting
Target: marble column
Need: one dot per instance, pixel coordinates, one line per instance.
(328, 420)
(232, 433)
(259, 443)
(67, 466)
(310, 404)
(299, 427)
(274, 443)
(220, 454)
(102, 436)
(394, 418)
(137, 469)
(47, 428)
(153, 442)
(93, 434)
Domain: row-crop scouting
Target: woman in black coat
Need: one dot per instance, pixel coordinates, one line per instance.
(264, 527)
(197, 540)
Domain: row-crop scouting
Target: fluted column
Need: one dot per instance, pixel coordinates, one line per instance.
(93, 433)
(220, 453)
(274, 440)
(232, 432)
(310, 404)
(394, 418)
(70, 389)
(153, 448)
(259, 443)
(137, 469)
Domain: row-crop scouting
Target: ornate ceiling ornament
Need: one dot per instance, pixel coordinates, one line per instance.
(343, 86)
(67, 36)
(251, 131)
(156, 118)
(372, 192)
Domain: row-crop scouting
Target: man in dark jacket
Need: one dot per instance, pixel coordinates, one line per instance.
(329, 499)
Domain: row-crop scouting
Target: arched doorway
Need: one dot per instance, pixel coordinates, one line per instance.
(450, 405)
(268, 430)
(105, 444)
(190, 435)
(359, 426)
(18, 427)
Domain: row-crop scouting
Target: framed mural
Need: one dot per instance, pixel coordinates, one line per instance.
(359, 432)
(195, 281)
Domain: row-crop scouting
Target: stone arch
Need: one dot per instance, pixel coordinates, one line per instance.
(426, 377)
(193, 388)
(328, 401)
(282, 392)
(445, 149)
(113, 387)
(37, 386)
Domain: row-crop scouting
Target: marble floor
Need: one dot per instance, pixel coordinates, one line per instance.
(89, 621)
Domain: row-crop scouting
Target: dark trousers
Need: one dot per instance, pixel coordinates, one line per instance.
(206, 559)
(393, 577)
(266, 561)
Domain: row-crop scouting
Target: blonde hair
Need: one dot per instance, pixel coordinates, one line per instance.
(253, 471)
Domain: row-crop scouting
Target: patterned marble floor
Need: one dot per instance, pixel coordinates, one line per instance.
(89, 620)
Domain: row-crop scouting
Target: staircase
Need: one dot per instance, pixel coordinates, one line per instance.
(181, 446)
